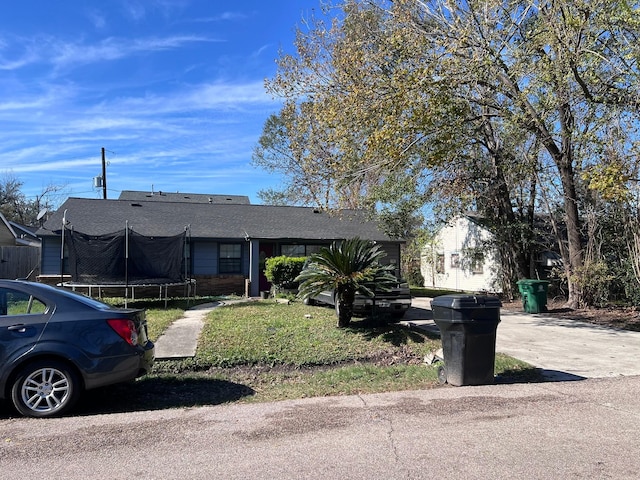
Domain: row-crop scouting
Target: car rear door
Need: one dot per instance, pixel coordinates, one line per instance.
(23, 318)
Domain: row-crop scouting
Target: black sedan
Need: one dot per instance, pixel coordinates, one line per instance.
(55, 343)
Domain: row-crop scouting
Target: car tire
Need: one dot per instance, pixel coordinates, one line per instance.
(45, 388)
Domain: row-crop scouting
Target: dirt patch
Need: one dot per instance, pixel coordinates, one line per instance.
(626, 318)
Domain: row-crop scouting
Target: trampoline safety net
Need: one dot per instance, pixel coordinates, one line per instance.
(125, 257)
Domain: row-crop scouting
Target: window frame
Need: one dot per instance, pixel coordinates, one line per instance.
(227, 264)
(11, 299)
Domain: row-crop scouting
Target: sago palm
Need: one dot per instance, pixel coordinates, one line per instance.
(345, 268)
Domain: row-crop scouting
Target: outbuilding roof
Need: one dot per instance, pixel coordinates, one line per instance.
(212, 220)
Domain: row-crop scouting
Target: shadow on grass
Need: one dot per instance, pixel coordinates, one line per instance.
(397, 334)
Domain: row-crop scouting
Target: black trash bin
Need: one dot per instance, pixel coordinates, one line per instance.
(467, 326)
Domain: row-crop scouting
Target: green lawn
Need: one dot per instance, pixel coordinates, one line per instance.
(277, 351)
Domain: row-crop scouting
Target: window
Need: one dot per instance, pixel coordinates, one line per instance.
(293, 250)
(230, 260)
(299, 250)
(311, 249)
(477, 262)
(455, 260)
(13, 302)
(440, 263)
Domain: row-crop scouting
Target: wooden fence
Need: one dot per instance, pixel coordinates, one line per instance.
(19, 262)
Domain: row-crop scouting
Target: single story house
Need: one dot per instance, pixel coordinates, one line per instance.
(227, 238)
(460, 258)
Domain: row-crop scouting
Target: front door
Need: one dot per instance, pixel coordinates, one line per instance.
(266, 251)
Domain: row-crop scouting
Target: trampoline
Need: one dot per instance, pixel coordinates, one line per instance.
(128, 260)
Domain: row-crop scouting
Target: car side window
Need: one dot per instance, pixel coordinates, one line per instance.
(13, 302)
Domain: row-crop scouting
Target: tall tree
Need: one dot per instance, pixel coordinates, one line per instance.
(479, 101)
(395, 127)
(553, 66)
(17, 207)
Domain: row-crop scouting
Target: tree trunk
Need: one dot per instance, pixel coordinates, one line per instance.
(574, 242)
(344, 307)
(499, 209)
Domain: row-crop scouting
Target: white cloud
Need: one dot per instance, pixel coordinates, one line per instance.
(223, 17)
(72, 54)
(48, 97)
(97, 18)
(64, 54)
(134, 10)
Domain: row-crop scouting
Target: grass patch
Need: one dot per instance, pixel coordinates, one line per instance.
(297, 335)
(341, 380)
(161, 320)
(159, 316)
(266, 351)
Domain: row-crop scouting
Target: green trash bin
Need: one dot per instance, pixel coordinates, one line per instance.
(534, 294)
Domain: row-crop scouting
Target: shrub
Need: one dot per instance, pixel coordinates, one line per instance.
(282, 271)
(593, 279)
(414, 277)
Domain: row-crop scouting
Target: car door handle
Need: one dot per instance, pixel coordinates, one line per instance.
(19, 327)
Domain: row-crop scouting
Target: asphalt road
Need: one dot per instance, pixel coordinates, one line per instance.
(587, 428)
(556, 430)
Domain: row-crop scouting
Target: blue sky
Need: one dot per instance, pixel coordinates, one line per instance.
(172, 89)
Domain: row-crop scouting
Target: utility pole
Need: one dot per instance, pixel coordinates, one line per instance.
(104, 175)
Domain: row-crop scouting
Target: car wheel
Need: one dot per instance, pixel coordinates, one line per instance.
(45, 388)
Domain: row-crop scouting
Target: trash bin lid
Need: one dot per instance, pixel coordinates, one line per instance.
(532, 281)
(462, 301)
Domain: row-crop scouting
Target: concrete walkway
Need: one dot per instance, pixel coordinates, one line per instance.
(181, 338)
(563, 349)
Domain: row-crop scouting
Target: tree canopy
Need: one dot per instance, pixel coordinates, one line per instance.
(513, 109)
(17, 207)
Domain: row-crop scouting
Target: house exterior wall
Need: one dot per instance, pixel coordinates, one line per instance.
(204, 267)
(204, 259)
(220, 284)
(6, 236)
(50, 261)
(460, 259)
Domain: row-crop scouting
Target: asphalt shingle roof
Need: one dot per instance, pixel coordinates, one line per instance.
(229, 221)
(138, 196)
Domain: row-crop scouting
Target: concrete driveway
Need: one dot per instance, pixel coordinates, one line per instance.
(565, 349)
